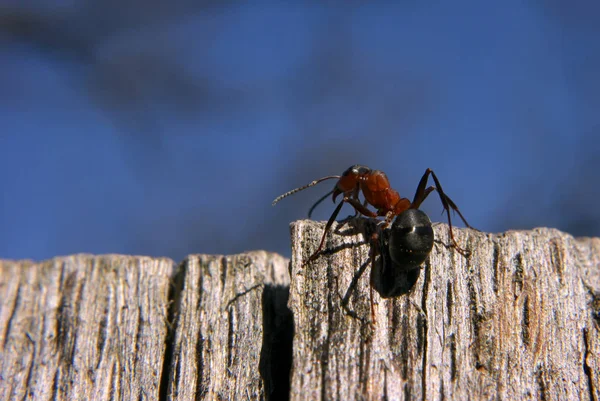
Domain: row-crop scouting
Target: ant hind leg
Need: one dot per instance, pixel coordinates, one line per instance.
(447, 203)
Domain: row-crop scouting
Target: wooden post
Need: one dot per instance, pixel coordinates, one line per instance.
(518, 319)
(118, 327)
(232, 332)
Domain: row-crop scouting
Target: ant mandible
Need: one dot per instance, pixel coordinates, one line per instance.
(411, 239)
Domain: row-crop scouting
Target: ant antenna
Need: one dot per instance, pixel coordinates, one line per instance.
(293, 191)
(319, 201)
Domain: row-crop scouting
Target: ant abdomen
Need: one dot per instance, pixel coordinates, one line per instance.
(411, 239)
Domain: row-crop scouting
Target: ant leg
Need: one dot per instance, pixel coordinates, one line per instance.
(327, 227)
(455, 208)
(447, 203)
(388, 220)
(360, 207)
(352, 194)
(355, 195)
(448, 200)
(318, 202)
(357, 206)
(421, 194)
(416, 204)
(373, 255)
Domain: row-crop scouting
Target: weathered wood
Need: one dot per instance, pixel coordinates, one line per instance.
(518, 319)
(231, 313)
(83, 327)
(133, 328)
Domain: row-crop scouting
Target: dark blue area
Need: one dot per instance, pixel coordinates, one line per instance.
(168, 128)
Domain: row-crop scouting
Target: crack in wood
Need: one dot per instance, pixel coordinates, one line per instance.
(14, 309)
(587, 370)
(423, 332)
(168, 377)
(525, 336)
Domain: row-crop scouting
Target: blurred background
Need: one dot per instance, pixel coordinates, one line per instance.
(167, 127)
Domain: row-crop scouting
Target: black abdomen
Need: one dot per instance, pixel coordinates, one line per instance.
(411, 239)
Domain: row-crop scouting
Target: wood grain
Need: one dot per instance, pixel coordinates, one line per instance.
(227, 309)
(519, 318)
(83, 327)
(514, 320)
(119, 327)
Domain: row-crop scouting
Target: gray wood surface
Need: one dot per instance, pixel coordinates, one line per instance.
(118, 327)
(229, 308)
(517, 319)
(83, 327)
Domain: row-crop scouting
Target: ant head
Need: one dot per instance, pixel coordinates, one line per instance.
(349, 180)
(356, 170)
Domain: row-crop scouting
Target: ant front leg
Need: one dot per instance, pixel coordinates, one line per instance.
(327, 227)
(355, 194)
(422, 193)
(357, 206)
(312, 208)
(372, 256)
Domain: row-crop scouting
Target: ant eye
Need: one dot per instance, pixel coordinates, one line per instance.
(351, 170)
(357, 169)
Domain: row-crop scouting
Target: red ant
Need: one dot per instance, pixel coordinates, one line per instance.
(377, 191)
(411, 234)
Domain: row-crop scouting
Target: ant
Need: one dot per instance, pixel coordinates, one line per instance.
(411, 238)
(411, 235)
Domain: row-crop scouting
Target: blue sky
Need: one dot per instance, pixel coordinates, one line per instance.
(170, 131)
